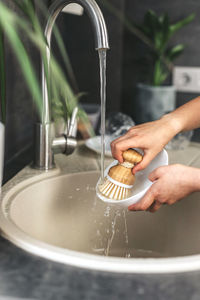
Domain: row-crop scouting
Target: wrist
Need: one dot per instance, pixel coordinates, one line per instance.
(191, 178)
(175, 123)
(196, 180)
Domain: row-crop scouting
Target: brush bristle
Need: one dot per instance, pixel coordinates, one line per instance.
(114, 191)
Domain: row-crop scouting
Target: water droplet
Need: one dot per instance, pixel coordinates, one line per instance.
(128, 255)
(98, 232)
(107, 211)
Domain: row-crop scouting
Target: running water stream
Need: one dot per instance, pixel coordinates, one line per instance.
(117, 214)
(102, 63)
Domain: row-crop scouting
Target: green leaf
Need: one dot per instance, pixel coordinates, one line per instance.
(157, 29)
(159, 74)
(165, 31)
(174, 52)
(58, 88)
(7, 21)
(180, 24)
(151, 22)
(2, 80)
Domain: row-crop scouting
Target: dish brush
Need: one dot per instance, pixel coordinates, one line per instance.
(120, 179)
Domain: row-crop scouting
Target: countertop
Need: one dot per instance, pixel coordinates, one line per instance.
(25, 276)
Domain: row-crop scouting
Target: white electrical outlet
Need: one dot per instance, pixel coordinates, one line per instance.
(186, 79)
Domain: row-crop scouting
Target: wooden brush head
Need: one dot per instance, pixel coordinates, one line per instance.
(132, 156)
(124, 174)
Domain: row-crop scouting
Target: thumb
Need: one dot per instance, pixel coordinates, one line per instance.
(147, 158)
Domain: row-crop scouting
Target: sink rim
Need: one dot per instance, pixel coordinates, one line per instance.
(85, 260)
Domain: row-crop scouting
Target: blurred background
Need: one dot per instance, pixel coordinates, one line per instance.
(126, 67)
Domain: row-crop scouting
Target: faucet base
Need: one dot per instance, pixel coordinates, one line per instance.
(43, 159)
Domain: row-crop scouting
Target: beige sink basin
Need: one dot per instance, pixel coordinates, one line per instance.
(61, 218)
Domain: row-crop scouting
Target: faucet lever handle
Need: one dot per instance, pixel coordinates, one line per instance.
(72, 123)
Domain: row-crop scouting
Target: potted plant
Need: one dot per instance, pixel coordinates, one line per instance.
(155, 98)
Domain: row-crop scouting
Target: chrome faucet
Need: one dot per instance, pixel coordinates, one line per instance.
(44, 144)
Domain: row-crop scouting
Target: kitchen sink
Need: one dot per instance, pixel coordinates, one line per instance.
(60, 218)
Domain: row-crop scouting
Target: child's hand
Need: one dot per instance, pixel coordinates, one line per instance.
(151, 137)
(171, 183)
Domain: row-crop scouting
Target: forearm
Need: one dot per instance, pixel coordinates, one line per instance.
(153, 136)
(192, 178)
(186, 117)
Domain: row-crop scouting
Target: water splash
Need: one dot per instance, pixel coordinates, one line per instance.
(125, 227)
(107, 211)
(113, 231)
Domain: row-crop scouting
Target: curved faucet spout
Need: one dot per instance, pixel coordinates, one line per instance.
(43, 147)
(100, 31)
(93, 11)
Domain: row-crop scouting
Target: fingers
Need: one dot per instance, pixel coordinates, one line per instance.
(144, 203)
(153, 175)
(162, 191)
(148, 203)
(154, 207)
(121, 138)
(119, 147)
(147, 158)
(116, 152)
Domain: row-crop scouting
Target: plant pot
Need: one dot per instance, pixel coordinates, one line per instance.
(1, 151)
(153, 102)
